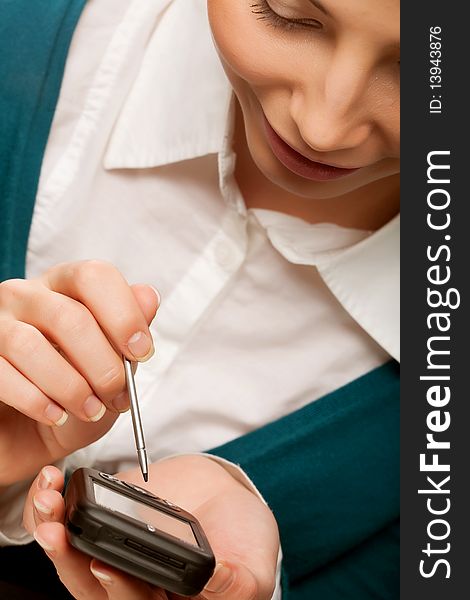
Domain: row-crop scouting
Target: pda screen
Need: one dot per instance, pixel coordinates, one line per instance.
(142, 512)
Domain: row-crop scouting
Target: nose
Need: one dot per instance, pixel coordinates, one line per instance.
(331, 107)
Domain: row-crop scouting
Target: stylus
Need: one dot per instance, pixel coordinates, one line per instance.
(136, 420)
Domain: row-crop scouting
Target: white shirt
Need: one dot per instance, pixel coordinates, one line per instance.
(261, 313)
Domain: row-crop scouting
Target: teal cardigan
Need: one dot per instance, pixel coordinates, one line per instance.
(330, 471)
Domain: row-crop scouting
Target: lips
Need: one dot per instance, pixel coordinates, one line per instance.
(300, 164)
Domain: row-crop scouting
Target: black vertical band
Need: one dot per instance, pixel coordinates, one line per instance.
(435, 414)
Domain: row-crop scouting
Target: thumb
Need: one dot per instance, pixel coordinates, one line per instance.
(148, 298)
(231, 581)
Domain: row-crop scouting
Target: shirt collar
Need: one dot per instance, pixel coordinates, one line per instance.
(155, 128)
(365, 278)
(304, 243)
(361, 269)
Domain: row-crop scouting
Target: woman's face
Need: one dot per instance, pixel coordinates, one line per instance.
(318, 84)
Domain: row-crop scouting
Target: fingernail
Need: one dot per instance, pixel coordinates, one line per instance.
(121, 402)
(56, 415)
(42, 508)
(104, 577)
(157, 294)
(141, 346)
(44, 480)
(94, 408)
(220, 580)
(44, 545)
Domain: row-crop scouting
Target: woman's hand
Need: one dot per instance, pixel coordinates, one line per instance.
(62, 379)
(240, 528)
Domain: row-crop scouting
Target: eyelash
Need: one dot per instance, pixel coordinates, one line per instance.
(265, 13)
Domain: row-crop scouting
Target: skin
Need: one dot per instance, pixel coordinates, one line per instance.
(330, 90)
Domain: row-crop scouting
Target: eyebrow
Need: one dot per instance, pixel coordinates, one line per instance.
(320, 6)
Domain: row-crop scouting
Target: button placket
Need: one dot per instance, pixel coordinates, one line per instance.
(183, 308)
(226, 256)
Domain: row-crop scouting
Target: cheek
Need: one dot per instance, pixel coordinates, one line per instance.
(252, 57)
(391, 126)
(385, 109)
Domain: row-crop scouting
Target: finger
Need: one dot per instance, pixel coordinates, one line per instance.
(73, 567)
(20, 393)
(232, 581)
(91, 364)
(105, 292)
(49, 479)
(27, 349)
(120, 586)
(145, 296)
(49, 506)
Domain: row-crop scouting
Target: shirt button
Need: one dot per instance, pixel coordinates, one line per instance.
(225, 255)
